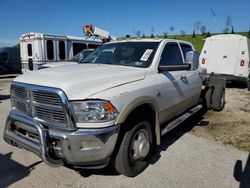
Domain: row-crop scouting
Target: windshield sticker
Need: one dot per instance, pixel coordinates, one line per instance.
(146, 55)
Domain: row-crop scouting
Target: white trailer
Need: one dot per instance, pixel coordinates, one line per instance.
(227, 55)
(38, 49)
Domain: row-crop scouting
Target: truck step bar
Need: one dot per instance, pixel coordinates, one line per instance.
(180, 119)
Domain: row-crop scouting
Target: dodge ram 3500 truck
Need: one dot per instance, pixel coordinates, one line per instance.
(112, 107)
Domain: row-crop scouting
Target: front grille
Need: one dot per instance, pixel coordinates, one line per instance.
(20, 106)
(20, 92)
(49, 115)
(41, 103)
(45, 97)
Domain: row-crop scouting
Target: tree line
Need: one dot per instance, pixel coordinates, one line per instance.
(198, 28)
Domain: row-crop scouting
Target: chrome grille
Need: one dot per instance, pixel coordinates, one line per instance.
(45, 97)
(48, 114)
(44, 104)
(20, 105)
(20, 92)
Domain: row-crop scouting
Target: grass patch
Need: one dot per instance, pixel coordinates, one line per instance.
(198, 41)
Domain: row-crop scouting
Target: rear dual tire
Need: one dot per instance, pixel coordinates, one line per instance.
(218, 98)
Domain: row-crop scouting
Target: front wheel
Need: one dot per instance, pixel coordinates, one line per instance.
(135, 149)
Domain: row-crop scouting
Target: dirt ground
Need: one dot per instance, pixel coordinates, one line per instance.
(230, 126)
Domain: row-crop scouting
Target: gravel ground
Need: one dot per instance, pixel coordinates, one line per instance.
(183, 160)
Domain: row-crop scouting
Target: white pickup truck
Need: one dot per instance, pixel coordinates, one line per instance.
(113, 107)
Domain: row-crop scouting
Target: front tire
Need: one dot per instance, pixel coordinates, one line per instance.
(135, 149)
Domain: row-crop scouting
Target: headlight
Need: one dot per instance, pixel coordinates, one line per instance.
(94, 111)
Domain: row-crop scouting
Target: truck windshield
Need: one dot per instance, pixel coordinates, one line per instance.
(136, 54)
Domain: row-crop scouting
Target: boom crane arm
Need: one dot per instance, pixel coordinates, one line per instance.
(90, 30)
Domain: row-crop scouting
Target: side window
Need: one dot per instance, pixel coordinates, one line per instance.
(62, 50)
(50, 50)
(185, 48)
(77, 47)
(29, 49)
(171, 55)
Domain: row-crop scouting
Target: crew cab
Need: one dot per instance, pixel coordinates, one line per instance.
(111, 107)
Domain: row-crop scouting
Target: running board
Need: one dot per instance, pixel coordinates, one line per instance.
(179, 120)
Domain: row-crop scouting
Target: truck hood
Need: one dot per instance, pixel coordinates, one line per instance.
(81, 81)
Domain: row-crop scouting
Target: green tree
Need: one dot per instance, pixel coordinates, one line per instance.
(183, 33)
(172, 29)
(203, 30)
(232, 32)
(194, 34)
(228, 24)
(138, 33)
(166, 34)
(208, 34)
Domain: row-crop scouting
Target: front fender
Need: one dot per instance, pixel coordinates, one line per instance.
(125, 112)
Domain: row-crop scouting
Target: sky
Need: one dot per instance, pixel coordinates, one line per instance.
(119, 17)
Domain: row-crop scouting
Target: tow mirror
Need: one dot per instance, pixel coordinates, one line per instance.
(192, 58)
(164, 68)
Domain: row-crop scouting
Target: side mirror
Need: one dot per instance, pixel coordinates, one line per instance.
(192, 58)
(164, 68)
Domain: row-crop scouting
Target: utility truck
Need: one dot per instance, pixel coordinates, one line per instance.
(111, 108)
(227, 56)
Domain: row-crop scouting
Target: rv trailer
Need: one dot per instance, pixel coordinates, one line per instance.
(38, 49)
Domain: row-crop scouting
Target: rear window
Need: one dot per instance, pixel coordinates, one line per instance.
(29, 47)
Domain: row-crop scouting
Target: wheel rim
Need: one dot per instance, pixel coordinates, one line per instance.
(140, 146)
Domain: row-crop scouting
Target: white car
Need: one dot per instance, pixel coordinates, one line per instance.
(111, 107)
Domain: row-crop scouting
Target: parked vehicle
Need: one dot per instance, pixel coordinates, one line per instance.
(38, 49)
(228, 56)
(112, 107)
(10, 60)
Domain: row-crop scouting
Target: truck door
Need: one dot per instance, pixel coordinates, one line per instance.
(222, 56)
(176, 86)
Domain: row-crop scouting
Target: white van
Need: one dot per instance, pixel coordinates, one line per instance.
(227, 55)
(38, 49)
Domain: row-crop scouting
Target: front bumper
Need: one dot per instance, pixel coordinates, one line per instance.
(89, 148)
